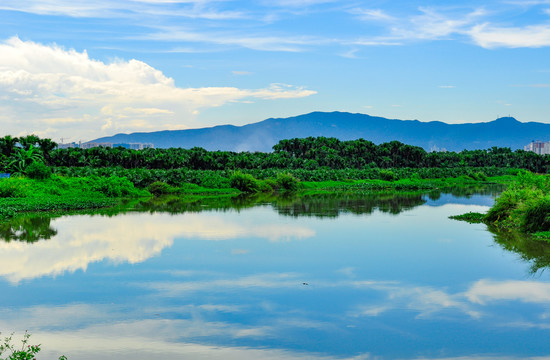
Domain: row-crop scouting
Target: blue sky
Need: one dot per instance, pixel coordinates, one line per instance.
(80, 69)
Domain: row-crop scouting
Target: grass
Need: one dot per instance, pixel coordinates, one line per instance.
(68, 194)
(61, 193)
(411, 184)
(523, 207)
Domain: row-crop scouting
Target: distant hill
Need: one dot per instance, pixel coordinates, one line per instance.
(261, 136)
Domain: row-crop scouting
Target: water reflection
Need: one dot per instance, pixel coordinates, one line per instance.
(34, 227)
(535, 252)
(276, 279)
(27, 228)
(129, 238)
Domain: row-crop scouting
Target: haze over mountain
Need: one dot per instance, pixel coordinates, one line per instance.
(261, 136)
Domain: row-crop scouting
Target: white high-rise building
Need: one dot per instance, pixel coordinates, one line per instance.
(538, 147)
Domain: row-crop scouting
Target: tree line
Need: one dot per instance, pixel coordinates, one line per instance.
(312, 153)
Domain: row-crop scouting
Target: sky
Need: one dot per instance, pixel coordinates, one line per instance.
(76, 70)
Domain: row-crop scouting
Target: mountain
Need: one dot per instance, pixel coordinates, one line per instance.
(261, 136)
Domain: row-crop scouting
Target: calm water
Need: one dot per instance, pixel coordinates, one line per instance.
(347, 277)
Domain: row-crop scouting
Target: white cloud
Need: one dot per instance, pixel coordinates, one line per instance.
(429, 24)
(434, 25)
(490, 37)
(372, 15)
(231, 38)
(297, 3)
(49, 88)
(123, 8)
(533, 85)
(240, 72)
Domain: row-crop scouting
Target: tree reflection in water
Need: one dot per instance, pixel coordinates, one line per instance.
(34, 227)
(535, 252)
(29, 228)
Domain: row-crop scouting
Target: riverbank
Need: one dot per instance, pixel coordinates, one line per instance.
(60, 193)
(523, 207)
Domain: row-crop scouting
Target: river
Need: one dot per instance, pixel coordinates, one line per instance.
(364, 276)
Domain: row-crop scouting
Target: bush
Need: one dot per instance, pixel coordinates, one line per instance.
(287, 182)
(160, 188)
(503, 207)
(38, 170)
(388, 175)
(244, 182)
(479, 176)
(114, 186)
(536, 217)
(265, 186)
(11, 189)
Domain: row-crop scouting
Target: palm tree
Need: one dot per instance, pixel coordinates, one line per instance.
(8, 145)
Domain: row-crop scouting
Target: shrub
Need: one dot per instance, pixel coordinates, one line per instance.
(114, 186)
(243, 182)
(388, 175)
(160, 188)
(265, 186)
(38, 170)
(11, 189)
(287, 182)
(503, 207)
(479, 176)
(536, 217)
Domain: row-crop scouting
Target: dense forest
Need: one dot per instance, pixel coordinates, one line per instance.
(308, 159)
(307, 153)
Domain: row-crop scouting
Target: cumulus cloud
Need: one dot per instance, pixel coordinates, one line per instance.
(55, 91)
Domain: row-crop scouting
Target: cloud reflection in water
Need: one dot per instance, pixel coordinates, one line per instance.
(131, 238)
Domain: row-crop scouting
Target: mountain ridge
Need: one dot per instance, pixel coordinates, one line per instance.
(261, 136)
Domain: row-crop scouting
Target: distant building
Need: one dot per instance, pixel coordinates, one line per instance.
(135, 146)
(67, 146)
(89, 145)
(435, 148)
(538, 147)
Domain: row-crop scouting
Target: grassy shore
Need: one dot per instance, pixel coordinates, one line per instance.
(524, 207)
(59, 193)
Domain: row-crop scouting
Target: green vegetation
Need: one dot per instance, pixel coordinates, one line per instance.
(25, 352)
(523, 207)
(304, 154)
(528, 246)
(20, 194)
(45, 178)
(244, 182)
